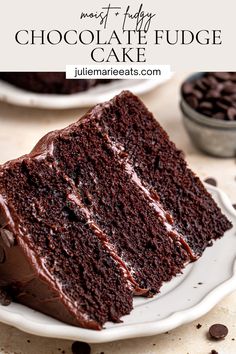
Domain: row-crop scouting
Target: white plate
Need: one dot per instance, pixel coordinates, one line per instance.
(12, 94)
(184, 299)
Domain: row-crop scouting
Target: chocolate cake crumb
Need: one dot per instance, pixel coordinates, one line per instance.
(80, 348)
(218, 331)
(5, 298)
(28, 341)
(212, 181)
(198, 326)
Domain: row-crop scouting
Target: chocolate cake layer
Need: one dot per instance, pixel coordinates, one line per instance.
(161, 166)
(101, 211)
(49, 82)
(54, 262)
(130, 217)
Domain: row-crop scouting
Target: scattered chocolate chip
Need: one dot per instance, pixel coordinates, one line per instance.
(200, 283)
(234, 206)
(80, 348)
(28, 341)
(212, 181)
(214, 351)
(218, 331)
(102, 353)
(198, 326)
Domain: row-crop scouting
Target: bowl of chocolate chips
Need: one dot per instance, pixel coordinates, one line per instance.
(208, 104)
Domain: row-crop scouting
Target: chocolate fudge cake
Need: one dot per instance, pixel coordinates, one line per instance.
(98, 212)
(48, 82)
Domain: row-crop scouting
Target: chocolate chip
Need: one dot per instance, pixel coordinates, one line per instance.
(2, 255)
(234, 206)
(80, 348)
(231, 113)
(192, 101)
(230, 89)
(222, 75)
(187, 88)
(198, 94)
(198, 326)
(222, 105)
(214, 351)
(212, 181)
(212, 81)
(218, 331)
(213, 95)
(206, 105)
(220, 116)
(201, 85)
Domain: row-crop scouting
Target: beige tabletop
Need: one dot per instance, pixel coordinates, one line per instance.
(20, 128)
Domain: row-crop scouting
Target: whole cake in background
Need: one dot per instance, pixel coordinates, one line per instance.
(49, 82)
(100, 211)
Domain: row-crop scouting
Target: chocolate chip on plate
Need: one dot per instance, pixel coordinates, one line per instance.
(214, 351)
(212, 181)
(80, 348)
(218, 331)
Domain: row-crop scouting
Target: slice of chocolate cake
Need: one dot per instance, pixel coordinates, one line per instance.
(49, 82)
(98, 212)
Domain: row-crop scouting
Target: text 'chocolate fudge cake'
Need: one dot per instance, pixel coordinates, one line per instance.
(100, 211)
